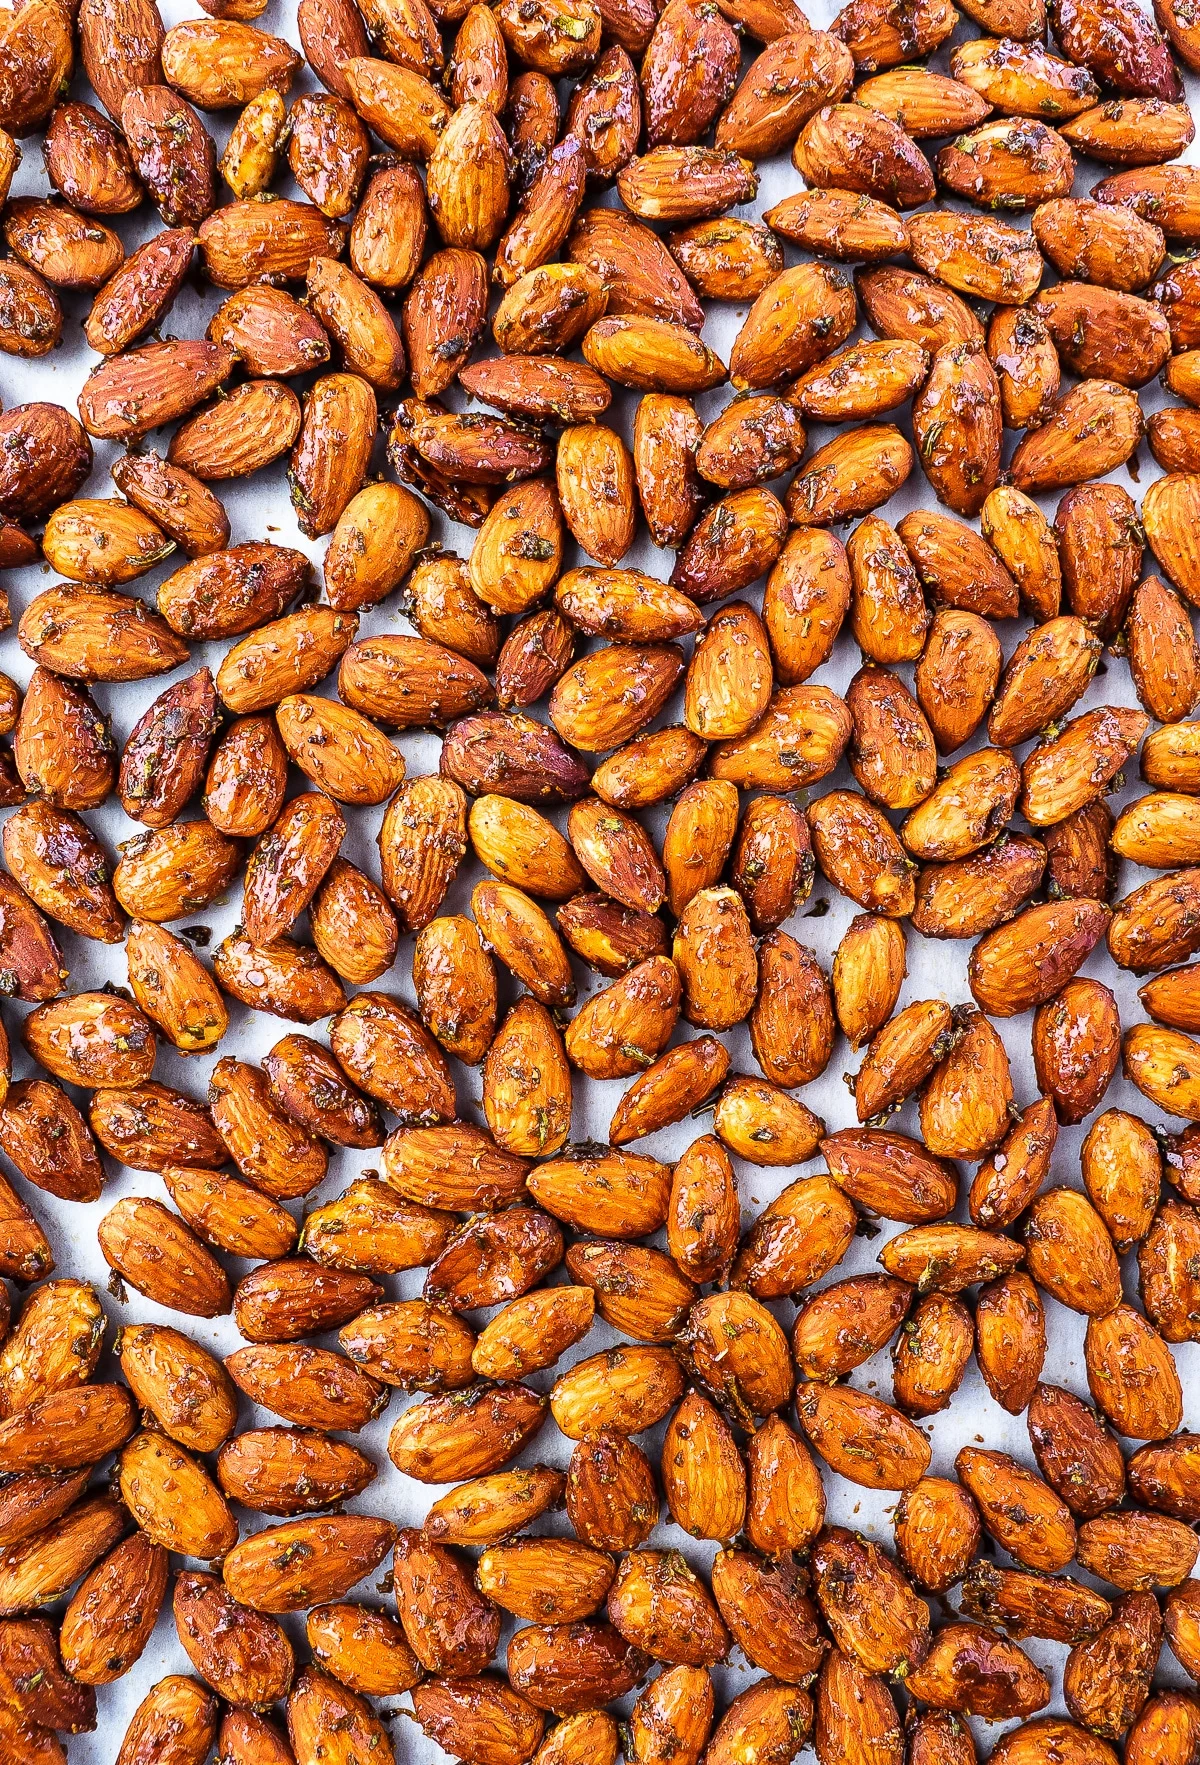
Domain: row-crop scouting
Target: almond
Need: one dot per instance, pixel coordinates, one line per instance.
(1092, 519)
(853, 1706)
(112, 1613)
(666, 437)
(254, 425)
(798, 740)
(558, 1579)
(310, 1386)
(702, 1217)
(594, 474)
(867, 153)
(573, 1667)
(270, 331)
(729, 677)
(905, 305)
(1152, 927)
(42, 1567)
(861, 1437)
(172, 152)
(367, 1649)
(651, 355)
(703, 1475)
(1080, 858)
(41, 61)
(1010, 1339)
(1091, 430)
(328, 150)
(62, 749)
(466, 1434)
(532, 1332)
(477, 1712)
(63, 869)
(163, 760)
(605, 112)
(176, 1712)
(527, 1083)
(612, 1497)
(804, 1233)
(1071, 770)
(251, 154)
(1131, 131)
(233, 590)
(1027, 366)
(332, 451)
(649, 768)
(30, 316)
(797, 321)
(1107, 1679)
(1098, 243)
(1047, 672)
(289, 1567)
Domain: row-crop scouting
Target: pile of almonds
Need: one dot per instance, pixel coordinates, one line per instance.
(583, 157)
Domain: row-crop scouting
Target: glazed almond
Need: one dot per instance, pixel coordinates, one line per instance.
(839, 225)
(1107, 1679)
(867, 1603)
(527, 1083)
(243, 1654)
(703, 1215)
(976, 256)
(674, 1714)
(1071, 770)
(1010, 1339)
(669, 1089)
(970, 1668)
(734, 1346)
(1010, 969)
(968, 896)
(869, 154)
(650, 768)
(862, 381)
(171, 871)
(791, 1024)
(802, 1234)
(62, 748)
(799, 319)
(1090, 430)
(175, 1710)
(108, 1621)
(861, 1437)
(854, 473)
(159, 1255)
